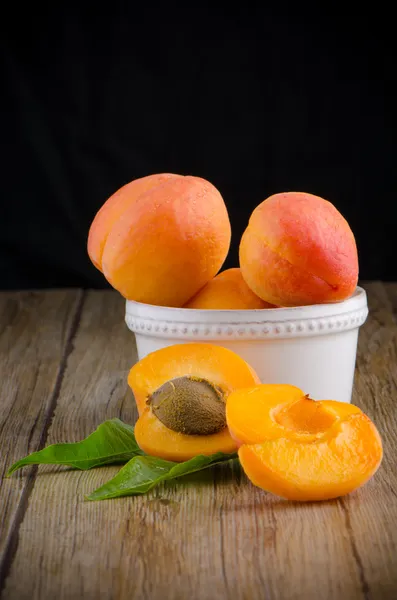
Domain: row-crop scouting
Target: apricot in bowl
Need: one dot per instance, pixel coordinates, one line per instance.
(227, 291)
(161, 238)
(299, 250)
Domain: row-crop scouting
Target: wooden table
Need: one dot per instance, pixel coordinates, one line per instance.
(64, 360)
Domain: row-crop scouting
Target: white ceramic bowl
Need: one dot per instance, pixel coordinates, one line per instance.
(312, 347)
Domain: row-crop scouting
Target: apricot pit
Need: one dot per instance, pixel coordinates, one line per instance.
(189, 405)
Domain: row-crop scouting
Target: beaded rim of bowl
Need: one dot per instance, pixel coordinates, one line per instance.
(196, 324)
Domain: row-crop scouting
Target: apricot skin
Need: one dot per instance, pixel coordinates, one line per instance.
(220, 366)
(114, 208)
(168, 243)
(227, 291)
(299, 250)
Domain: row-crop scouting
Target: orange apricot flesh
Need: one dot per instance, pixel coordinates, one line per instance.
(168, 243)
(299, 250)
(215, 364)
(249, 412)
(330, 467)
(227, 291)
(156, 439)
(299, 448)
(220, 366)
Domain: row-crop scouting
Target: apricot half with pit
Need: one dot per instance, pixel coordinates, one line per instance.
(181, 392)
(299, 448)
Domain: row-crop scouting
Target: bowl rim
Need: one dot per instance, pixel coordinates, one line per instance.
(356, 302)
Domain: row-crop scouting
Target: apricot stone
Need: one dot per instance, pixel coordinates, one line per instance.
(190, 405)
(299, 250)
(227, 291)
(168, 242)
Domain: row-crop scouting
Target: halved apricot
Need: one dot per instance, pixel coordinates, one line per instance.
(180, 393)
(299, 448)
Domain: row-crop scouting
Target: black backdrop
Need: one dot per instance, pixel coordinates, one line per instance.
(255, 102)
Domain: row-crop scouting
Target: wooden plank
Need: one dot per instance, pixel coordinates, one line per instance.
(211, 536)
(372, 513)
(36, 331)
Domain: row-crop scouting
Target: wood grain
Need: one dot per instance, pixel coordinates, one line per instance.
(371, 515)
(36, 330)
(212, 535)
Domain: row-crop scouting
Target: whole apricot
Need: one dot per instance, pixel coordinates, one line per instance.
(162, 245)
(299, 250)
(227, 291)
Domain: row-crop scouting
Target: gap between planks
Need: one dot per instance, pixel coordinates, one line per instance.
(11, 545)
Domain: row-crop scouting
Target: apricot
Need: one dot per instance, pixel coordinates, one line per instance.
(114, 208)
(299, 250)
(181, 392)
(227, 290)
(299, 448)
(159, 240)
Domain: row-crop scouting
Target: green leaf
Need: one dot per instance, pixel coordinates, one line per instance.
(112, 442)
(142, 473)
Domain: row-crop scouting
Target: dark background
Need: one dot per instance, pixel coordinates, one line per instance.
(256, 102)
